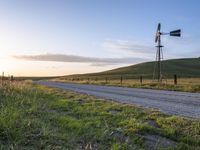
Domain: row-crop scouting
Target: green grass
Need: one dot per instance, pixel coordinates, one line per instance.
(184, 68)
(37, 117)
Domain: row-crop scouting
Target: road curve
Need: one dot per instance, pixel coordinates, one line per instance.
(170, 102)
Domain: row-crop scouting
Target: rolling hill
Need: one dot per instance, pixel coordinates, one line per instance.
(187, 67)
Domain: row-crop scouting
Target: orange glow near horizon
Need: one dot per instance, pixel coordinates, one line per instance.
(11, 66)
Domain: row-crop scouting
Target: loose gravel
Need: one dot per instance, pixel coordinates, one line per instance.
(171, 102)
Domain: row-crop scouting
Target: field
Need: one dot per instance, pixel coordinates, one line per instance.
(187, 72)
(37, 117)
(183, 84)
(183, 68)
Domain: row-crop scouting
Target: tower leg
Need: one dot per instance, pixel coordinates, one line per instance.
(159, 60)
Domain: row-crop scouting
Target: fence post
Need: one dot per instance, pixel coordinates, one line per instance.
(2, 78)
(106, 80)
(11, 78)
(175, 79)
(121, 80)
(140, 79)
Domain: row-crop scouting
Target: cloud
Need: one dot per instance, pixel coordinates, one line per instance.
(94, 61)
(123, 46)
(184, 46)
(174, 47)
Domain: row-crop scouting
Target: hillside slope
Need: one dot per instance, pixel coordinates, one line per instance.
(187, 67)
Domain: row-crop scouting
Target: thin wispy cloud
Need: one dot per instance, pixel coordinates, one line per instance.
(94, 61)
(186, 46)
(129, 47)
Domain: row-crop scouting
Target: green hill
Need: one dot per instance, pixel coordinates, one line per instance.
(187, 67)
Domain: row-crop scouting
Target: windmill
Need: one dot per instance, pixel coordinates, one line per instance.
(159, 54)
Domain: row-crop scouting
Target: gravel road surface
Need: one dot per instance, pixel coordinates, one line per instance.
(170, 102)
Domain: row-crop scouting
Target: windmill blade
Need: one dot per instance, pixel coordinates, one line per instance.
(158, 32)
(176, 33)
(156, 38)
(159, 27)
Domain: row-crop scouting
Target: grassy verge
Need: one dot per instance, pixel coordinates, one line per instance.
(37, 117)
(184, 84)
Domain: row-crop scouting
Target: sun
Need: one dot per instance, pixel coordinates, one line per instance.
(7, 65)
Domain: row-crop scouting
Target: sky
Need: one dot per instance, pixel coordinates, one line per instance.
(61, 37)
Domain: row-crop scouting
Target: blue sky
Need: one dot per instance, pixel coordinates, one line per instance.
(74, 36)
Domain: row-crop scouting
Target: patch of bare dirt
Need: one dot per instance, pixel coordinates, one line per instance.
(119, 136)
(152, 123)
(153, 142)
(114, 111)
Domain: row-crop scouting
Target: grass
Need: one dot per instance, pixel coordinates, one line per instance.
(184, 84)
(37, 117)
(185, 68)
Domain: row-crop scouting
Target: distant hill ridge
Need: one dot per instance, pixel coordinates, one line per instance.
(186, 67)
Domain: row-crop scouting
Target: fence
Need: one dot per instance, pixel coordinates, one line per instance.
(123, 79)
(5, 80)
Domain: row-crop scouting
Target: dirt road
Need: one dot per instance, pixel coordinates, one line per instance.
(171, 102)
